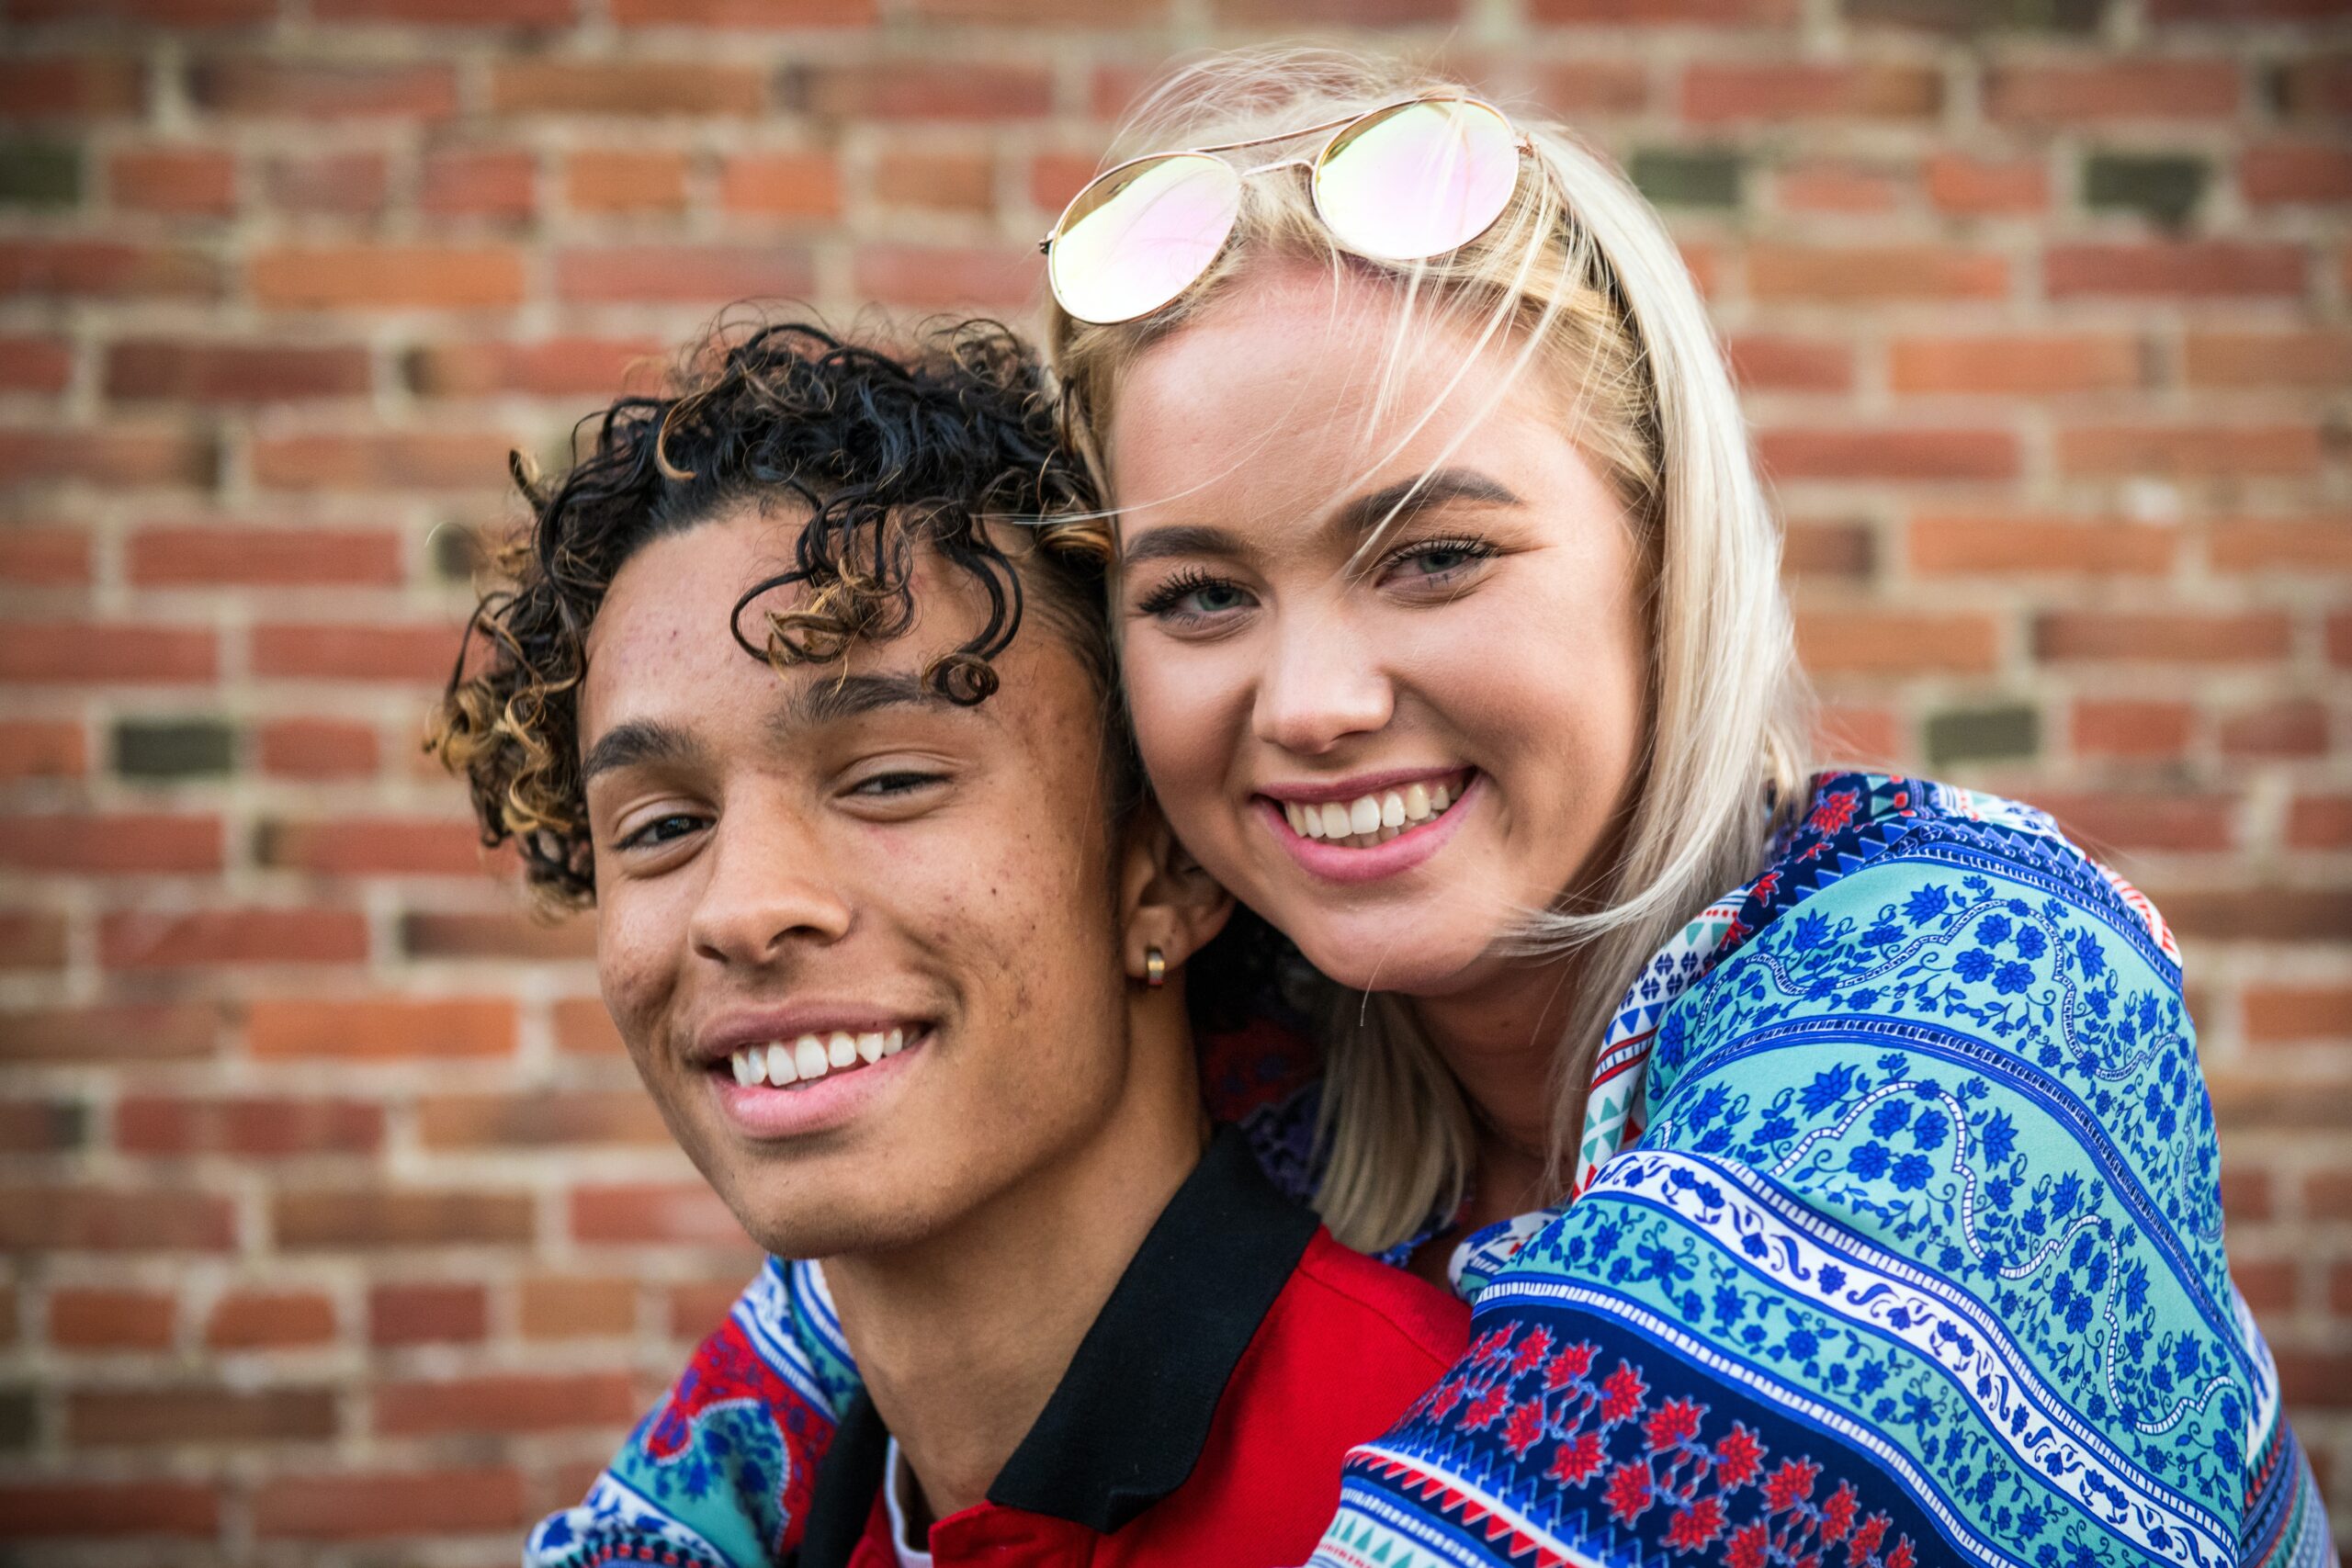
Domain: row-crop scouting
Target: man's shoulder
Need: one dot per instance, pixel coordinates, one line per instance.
(1358, 1307)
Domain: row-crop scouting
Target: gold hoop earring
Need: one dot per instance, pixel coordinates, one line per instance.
(1155, 967)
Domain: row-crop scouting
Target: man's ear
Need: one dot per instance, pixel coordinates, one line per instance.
(1166, 900)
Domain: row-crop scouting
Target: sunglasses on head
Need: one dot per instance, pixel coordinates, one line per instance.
(1405, 183)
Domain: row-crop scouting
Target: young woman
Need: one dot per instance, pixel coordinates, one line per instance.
(1869, 1183)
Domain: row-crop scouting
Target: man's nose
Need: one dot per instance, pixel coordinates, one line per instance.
(1323, 685)
(770, 887)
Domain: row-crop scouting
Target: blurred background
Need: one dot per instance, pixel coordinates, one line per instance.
(337, 1229)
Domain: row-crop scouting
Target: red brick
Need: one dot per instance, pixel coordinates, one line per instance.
(146, 13)
(232, 372)
(641, 1212)
(934, 276)
(450, 13)
(1779, 363)
(355, 653)
(497, 182)
(130, 940)
(44, 557)
(2278, 1013)
(34, 365)
(129, 1033)
(1715, 93)
(936, 179)
(1586, 87)
(2189, 268)
(1959, 183)
(183, 556)
(120, 844)
(567, 366)
(2186, 823)
(351, 846)
(378, 1216)
(781, 185)
(317, 748)
(634, 87)
(177, 182)
(2318, 1379)
(186, 1510)
(41, 1127)
(742, 14)
(626, 180)
(381, 1028)
(2247, 1195)
(349, 185)
(2316, 85)
(1883, 272)
(2289, 727)
(344, 1505)
(2298, 544)
(125, 654)
(914, 91)
(69, 87)
(102, 1319)
(212, 1417)
(2315, 358)
(695, 1310)
(2320, 822)
(114, 1219)
(1837, 186)
(2170, 637)
(706, 276)
(1888, 642)
(1326, 13)
(1055, 178)
(2306, 172)
(578, 1308)
(104, 269)
(2115, 90)
(540, 1118)
(2035, 366)
(1664, 13)
(1863, 453)
(395, 460)
(513, 1402)
(251, 1126)
(256, 1320)
(317, 90)
(427, 1314)
(583, 1027)
(2148, 730)
(2006, 545)
(42, 748)
(30, 940)
(505, 937)
(2197, 451)
(445, 278)
(2229, 12)
(117, 456)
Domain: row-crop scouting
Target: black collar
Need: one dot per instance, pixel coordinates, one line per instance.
(1127, 1422)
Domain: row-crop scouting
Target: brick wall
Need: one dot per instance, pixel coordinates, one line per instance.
(338, 1231)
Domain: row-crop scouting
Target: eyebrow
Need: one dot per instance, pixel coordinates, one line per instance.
(642, 741)
(1358, 517)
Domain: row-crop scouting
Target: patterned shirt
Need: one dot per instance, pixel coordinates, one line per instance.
(1897, 1239)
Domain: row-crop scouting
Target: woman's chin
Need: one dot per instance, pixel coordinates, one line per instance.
(1422, 964)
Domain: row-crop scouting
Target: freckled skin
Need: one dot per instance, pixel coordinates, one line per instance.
(990, 904)
(1532, 667)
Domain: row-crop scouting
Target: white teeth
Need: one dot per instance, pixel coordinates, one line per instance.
(1335, 821)
(739, 1063)
(1440, 798)
(782, 1068)
(1290, 814)
(1392, 810)
(841, 1049)
(895, 1042)
(1368, 820)
(1363, 816)
(1417, 803)
(1311, 818)
(808, 1055)
(869, 1048)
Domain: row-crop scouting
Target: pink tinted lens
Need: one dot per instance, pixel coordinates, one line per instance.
(1136, 237)
(1418, 180)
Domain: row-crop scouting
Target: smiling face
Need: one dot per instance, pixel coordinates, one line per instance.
(1392, 761)
(904, 911)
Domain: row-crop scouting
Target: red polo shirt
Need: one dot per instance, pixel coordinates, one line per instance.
(1203, 1418)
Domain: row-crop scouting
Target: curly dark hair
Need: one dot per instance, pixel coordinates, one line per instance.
(892, 454)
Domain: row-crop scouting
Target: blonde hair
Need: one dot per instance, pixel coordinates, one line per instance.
(1580, 274)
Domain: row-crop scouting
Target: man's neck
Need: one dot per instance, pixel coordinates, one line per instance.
(962, 1338)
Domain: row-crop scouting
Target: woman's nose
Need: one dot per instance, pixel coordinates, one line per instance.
(769, 890)
(1322, 685)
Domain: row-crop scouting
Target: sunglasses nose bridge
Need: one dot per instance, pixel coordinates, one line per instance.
(1267, 168)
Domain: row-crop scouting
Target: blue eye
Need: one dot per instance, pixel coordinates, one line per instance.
(1432, 559)
(1194, 595)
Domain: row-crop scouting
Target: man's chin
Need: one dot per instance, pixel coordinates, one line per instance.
(794, 1217)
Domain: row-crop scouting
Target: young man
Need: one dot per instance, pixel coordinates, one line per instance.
(895, 944)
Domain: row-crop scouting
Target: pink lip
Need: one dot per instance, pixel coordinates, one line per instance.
(730, 1032)
(1358, 785)
(764, 1112)
(1401, 853)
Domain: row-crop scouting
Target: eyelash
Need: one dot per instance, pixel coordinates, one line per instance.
(642, 836)
(1193, 578)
